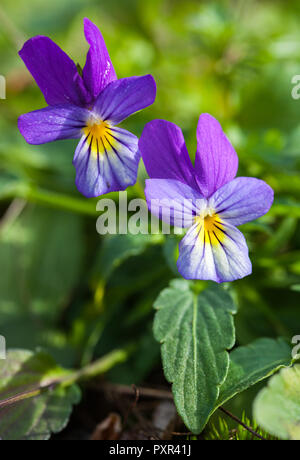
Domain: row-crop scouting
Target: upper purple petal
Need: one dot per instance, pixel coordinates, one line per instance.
(122, 98)
(216, 161)
(53, 123)
(165, 154)
(98, 71)
(55, 73)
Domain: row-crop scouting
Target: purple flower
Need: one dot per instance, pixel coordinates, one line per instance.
(87, 106)
(206, 198)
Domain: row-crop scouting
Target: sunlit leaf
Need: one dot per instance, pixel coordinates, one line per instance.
(26, 416)
(277, 407)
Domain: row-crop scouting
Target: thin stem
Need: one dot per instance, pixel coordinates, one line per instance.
(53, 199)
(16, 36)
(57, 200)
(99, 367)
(26, 395)
(143, 392)
(92, 342)
(236, 419)
(12, 213)
(62, 201)
(139, 189)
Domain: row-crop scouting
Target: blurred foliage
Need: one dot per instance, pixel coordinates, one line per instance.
(78, 295)
(277, 407)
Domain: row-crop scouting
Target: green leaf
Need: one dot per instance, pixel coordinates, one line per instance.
(195, 331)
(253, 363)
(277, 407)
(24, 415)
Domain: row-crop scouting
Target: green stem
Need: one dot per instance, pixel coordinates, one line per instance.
(59, 200)
(99, 367)
(53, 199)
(20, 397)
(92, 342)
(16, 36)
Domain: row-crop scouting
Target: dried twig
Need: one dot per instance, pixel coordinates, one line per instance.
(143, 392)
(13, 32)
(133, 406)
(13, 212)
(236, 419)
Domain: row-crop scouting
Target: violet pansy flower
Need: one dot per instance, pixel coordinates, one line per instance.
(205, 198)
(88, 107)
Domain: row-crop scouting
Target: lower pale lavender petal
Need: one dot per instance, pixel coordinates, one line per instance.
(53, 123)
(173, 202)
(55, 73)
(216, 161)
(122, 98)
(98, 71)
(206, 256)
(106, 164)
(242, 200)
(164, 153)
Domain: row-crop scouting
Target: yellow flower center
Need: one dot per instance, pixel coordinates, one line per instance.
(211, 228)
(99, 136)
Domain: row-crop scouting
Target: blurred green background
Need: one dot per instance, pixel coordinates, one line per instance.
(62, 286)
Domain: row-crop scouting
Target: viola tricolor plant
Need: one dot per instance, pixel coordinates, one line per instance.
(87, 105)
(206, 198)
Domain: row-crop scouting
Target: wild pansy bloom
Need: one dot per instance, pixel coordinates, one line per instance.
(206, 198)
(87, 105)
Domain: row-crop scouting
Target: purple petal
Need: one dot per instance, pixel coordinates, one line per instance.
(216, 161)
(219, 256)
(123, 97)
(53, 123)
(107, 162)
(55, 73)
(98, 71)
(164, 153)
(242, 200)
(173, 202)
